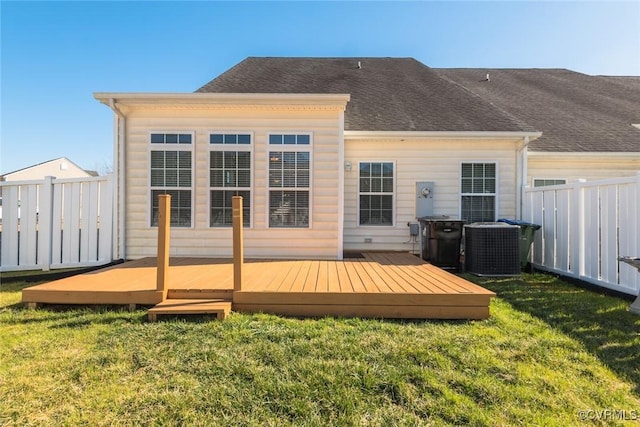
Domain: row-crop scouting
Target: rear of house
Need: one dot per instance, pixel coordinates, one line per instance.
(327, 154)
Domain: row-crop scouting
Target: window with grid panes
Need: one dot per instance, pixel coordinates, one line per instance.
(171, 173)
(546, 182)
(478, 192)
(289, 181)
(229, 175)
(376, 193)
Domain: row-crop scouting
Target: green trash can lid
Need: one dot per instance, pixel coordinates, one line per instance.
(520, 223)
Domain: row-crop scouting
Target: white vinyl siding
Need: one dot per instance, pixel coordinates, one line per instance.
(425, 159)
(171, 172)
(478, 192)
(318, 241)
(376, 193)
(575, 167)
(229, 175)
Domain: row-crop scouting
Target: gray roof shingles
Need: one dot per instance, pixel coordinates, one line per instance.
(387, 94)
(575, 112)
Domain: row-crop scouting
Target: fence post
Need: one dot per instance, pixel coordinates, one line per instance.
(164, 221)
(45, 223)
(238, 247)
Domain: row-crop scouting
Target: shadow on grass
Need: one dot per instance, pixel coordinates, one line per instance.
(601, 322)
(73, 316)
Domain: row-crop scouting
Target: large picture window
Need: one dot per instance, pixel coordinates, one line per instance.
(171, 173)
(376, 193)
(478, 192)
(289, 181)
(229, 175)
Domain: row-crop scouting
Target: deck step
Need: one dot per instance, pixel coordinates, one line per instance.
(209, 294)
(219, 307)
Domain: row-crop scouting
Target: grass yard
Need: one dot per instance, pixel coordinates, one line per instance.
(549, 351)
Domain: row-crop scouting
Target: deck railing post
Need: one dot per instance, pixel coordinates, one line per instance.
(238, 246)
(164, 221)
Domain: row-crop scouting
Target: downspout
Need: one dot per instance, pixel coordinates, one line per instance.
(521, 178)
(120, 188)
(341, 179)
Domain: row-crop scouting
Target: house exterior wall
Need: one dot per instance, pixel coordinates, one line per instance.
(59, 168)
(574, 166)
(318, 241)
(437, 160)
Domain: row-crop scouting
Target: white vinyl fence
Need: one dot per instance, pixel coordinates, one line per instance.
(586, 226)
(56, 223)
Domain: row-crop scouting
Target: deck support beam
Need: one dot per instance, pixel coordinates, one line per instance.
(238, 245)
(164, 222)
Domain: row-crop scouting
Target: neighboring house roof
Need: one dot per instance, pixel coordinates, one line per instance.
(387, 94)
(575, 112)
(80, 172)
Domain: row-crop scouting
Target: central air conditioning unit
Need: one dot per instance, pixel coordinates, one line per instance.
(492, 249)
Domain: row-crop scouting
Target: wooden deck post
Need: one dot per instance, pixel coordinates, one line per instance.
(164, 222)
(238, 245)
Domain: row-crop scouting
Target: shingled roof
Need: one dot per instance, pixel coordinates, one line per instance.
(387, 94)
(575, 112)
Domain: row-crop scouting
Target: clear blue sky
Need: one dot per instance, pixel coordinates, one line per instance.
(56, 54)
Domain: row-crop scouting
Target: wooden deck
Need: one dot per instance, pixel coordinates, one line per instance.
(389, 285)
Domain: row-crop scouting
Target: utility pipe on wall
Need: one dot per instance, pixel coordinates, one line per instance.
(521, 178)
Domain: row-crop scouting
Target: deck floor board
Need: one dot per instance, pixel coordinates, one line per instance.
(378, 285)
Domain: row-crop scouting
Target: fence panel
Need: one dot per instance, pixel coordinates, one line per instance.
(105, 222)
(590, 229)
(609, 233)
(586, 227)
(54, 223)
(629, 245)
(549, 230)
(10, 226)
(536, 212)
(563, 234)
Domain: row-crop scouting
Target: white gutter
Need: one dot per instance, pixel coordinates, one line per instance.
(341, 179)
(521, 178)
(590, 154)
(224, 98)
(359, 134)
(119, 136)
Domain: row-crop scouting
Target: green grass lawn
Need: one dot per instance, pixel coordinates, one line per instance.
(549, 351)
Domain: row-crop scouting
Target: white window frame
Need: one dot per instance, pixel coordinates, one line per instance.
(533, 181)
(231, 147)
(288, 148)
(394, 195)
(495, 194)
(170, 147)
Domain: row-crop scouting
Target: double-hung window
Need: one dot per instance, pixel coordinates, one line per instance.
(230, 175)
(289, 180)
(171, 173)
(376, 193)
(478, 192)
